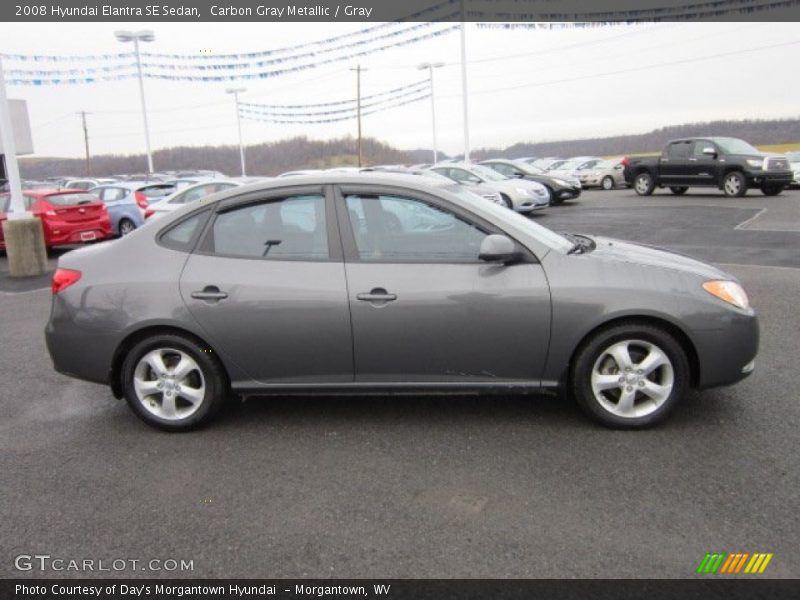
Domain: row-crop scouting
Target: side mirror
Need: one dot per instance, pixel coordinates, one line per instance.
(499, 248)
(709, 151)
(519, 174)
(619, 167)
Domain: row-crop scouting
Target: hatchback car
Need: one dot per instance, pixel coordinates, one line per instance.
(68, 216)
(126, 203)
(371, 283)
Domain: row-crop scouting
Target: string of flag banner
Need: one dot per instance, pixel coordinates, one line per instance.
(86, 71)
(228, 77)
(253, 116)
(412, 87)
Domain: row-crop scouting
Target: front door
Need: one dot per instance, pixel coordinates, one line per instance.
(267, 284)
(424, 308)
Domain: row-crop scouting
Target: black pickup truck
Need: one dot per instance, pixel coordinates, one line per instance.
(728, 164)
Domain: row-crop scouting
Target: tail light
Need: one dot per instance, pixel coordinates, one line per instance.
(149, 212)
(63, 278)
(141, 200)
(626, 161)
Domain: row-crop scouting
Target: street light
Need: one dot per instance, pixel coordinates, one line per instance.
(236, 92)
(140, 36)
(430, 67)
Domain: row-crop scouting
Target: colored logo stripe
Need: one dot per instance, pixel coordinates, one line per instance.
(734, 563)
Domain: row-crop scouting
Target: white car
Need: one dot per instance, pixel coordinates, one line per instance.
(521, 195)
(186, 195)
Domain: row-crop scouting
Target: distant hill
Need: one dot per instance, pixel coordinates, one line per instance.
(754, 131)
(303, 153)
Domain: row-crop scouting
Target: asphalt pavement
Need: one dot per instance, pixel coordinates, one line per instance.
(506, 487)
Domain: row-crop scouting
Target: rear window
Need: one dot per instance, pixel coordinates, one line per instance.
(157, 191)
(70, 199)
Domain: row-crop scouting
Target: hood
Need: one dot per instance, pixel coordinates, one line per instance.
(510, 184)
(628, 252)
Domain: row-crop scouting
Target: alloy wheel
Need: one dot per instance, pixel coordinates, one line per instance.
(169, 384)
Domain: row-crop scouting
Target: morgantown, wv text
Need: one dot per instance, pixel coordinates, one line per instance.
(226, 591)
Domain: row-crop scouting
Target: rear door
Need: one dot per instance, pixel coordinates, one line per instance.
(424, 308)
(675, 168)
(267, 284)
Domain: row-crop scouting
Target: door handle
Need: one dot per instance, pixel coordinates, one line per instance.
(210, 293)
(377, 295)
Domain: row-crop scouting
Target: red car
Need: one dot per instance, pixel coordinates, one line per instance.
(68, 216)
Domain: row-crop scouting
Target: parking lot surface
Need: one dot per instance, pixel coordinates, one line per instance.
(427, 486)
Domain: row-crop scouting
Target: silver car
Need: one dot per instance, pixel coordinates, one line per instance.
(607, 175)
(520, 195)
(186, 195)
(353, 284)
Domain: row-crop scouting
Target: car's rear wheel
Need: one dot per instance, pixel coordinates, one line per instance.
(125, 227)
(507, 201)
(644, 184)
(172, 383)
(734, 185)
(630, 376)
(771, 190)
(607, 183)
(678, 189)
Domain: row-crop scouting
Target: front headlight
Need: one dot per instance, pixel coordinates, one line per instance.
(728, 291)
(755, 163)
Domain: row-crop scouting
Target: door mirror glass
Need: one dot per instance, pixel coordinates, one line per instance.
(499, 248)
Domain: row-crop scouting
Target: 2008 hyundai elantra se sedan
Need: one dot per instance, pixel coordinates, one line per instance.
(370, 283)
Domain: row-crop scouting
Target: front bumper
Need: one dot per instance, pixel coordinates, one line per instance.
(528, 206)
(727, 355)
(567, 193)
(771, 178)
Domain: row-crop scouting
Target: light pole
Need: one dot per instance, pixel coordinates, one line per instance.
(236, 92)
(140, 36)
(464, 93)
(430, 67)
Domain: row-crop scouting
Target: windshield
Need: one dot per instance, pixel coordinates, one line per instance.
(734, 146)
(487, 173)
(606, 164)
(70, 199)
(528, 167)
(544, 235)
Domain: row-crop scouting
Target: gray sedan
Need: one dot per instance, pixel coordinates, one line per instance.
(370, 283)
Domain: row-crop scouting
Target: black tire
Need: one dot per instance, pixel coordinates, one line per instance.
(213, 377)
(644, 184)
(507, 201)
(553, 198)
(771, 190)
(607, 183)
(734, 185)
(125, 226)
(678, 190)
(593, 350)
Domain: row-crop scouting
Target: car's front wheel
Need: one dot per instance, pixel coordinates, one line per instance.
(644, 184)
(507, 201)
(630, 376)
(734, 185)
(173, 383)
(771, 190)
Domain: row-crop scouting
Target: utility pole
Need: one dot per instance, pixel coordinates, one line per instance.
(358, 70)
(86, 143)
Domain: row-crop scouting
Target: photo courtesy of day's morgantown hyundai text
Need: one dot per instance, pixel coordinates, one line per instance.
(374, 283)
